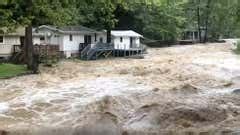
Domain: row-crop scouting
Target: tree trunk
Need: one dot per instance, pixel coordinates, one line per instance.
(109, 36)
(29, 47)
(206, 21)
(199, 22)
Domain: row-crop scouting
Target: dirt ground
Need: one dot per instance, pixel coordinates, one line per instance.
(181, 89)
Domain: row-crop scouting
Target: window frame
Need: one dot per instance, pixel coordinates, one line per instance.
(42, 38)
(95, 36)
(70, 37)
(101, 39)
(121, 39)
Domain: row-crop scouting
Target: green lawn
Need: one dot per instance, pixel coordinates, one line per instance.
(11, 70)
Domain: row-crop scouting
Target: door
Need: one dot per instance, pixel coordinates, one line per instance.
(87, 39)
(22, 40)
(131, 42)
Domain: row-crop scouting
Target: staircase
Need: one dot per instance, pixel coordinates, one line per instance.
(92, 53)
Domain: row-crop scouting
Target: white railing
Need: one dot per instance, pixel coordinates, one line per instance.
(6, 49)
(128, 47)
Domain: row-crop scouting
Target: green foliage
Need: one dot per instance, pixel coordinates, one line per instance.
(155, 19)
(11, 70)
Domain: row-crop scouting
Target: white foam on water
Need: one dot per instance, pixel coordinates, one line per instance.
(70, 96)
(222, 65)
(4, 107)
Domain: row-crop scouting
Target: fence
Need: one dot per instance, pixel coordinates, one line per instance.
(46, 50)
(40, 49)
(46, 53)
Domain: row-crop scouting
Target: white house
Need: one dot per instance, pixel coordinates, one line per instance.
(69, 38)
(126, 39)
(8, 40)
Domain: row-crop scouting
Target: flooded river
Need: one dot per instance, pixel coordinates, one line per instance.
(181, 89)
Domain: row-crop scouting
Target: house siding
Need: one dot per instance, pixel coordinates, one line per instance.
(125, 44)
(36, 40)
(74, 44)
(6, 47)
(52, 38)
(103, 36)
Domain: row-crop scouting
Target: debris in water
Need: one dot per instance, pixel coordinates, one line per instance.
(236, 91)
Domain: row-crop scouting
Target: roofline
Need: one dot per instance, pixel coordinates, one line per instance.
(67, 32)
(79, 32)
(127, 36)
(50, 28)
(34, 34)
(139, 35)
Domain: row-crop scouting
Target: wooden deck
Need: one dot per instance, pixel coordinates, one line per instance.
(39, 49)
(44, 52)
(107, 50)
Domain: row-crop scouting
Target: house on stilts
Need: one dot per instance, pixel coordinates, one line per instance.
(90, 44)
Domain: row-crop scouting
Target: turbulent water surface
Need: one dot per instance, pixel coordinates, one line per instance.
(180, 89)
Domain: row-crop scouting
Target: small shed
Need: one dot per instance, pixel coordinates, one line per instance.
(126, 39)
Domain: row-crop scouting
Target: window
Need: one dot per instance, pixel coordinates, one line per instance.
(95, 37)
(101, 40)
(1, 39)
(121, 39)
(71, 37)
(42, 38)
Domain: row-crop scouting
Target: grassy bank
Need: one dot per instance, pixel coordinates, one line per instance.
(11, 70)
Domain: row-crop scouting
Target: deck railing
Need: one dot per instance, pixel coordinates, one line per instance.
(17, 48)
(103, 46)
(41, 50)
(46, 49)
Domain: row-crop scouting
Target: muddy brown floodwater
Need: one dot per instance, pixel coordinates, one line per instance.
(181, 89)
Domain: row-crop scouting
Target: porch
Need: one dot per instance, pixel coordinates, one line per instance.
(45, 53)
(5, 50)
(105, 50)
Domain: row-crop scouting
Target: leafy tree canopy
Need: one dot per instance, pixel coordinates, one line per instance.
(155, 19)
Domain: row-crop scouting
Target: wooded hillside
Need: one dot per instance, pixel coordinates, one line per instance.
(155, 19)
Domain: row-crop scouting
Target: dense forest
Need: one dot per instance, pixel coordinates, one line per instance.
(155, 19)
